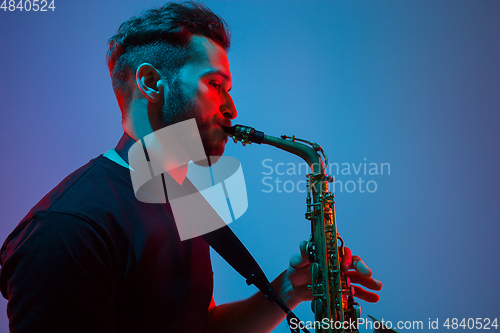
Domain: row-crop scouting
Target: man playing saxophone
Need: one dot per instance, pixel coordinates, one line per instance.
(89, 257)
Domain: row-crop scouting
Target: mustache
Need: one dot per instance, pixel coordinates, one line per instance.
(226, 123)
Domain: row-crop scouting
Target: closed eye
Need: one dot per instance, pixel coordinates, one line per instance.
(216, 85)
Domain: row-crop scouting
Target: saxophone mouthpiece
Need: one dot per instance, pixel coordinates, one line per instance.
(245, 134)
(229, 130)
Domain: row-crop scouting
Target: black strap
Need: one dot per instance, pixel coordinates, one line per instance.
(124, 145)
(229, 247)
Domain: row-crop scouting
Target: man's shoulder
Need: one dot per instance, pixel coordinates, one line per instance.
(91, 191)
(84, 188)
(89, 197)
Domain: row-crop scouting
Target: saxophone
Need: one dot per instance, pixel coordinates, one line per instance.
(333, 304)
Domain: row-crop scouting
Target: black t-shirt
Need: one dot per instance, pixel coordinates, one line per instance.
(90, 257)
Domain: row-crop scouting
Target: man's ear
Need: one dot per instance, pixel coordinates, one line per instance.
(149, 82)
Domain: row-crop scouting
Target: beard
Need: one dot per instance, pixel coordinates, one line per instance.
(178, 107)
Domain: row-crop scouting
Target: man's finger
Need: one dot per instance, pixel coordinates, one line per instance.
(296, 261)
(365, 295)
(360, 266)
(302, 259)
(303, 251)
(370, 283)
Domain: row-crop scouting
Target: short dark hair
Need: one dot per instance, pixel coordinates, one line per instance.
(160, 36)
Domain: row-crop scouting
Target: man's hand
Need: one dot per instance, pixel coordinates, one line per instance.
(256, 314)
(353, 267)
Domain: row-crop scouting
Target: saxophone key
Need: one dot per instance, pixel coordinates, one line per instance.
(315, 271)
(348, 291)
(317, 306)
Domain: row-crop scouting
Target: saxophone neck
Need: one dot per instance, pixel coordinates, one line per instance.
(308, 151)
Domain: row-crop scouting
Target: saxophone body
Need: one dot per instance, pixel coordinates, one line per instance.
(333, 304)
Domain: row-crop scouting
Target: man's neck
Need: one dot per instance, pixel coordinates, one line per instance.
(126, 142)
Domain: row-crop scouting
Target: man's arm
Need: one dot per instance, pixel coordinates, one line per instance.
(256, 315)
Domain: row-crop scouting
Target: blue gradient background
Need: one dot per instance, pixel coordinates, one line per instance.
(412, 83)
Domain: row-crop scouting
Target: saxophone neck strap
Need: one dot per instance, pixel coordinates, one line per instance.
(123, 146)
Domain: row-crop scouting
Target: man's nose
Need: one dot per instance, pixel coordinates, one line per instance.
(228, 109)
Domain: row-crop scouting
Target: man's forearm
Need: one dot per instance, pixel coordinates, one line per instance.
(255, 314)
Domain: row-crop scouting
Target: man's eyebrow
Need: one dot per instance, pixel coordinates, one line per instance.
(221, 73)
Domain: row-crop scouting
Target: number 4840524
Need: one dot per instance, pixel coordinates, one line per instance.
(27, 5)
(471, 323)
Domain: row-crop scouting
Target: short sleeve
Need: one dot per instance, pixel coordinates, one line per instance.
(58, 275)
